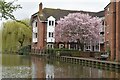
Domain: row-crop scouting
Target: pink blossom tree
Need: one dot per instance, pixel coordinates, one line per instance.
(78, 27)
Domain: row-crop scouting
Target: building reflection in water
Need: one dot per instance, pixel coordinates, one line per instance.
(42, 68)
(49, 69)
(38, 67)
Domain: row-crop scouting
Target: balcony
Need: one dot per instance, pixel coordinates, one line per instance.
(35, 29)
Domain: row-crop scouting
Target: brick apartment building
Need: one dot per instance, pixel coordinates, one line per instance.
(112, 29)
(43, 25)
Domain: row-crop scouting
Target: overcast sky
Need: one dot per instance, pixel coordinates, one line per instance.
(31, 6)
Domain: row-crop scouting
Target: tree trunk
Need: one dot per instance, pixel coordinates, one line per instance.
(21, 41)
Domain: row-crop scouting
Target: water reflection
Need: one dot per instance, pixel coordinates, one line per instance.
(38, 67)
(56, 69)
(16, 66)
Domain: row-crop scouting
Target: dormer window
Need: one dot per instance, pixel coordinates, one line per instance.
(51, 23)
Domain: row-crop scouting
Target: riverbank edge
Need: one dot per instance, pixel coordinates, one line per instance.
(109, 65)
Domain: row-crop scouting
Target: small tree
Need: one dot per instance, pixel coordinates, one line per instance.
(7, 9)
(82, 28)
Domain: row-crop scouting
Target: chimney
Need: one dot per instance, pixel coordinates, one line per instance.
(40, 8)
(114, 0)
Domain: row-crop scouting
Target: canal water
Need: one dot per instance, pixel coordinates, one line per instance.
(20, 66)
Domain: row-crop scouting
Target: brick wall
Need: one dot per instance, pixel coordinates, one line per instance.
(112, 29)
(118, 31)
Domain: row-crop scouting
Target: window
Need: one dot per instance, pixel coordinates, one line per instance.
(61, 46)
(51, 23)
(36, 24)
(88, 47)
(102, 22)
(50, 34)
(50, 46)
(35, 35)
(97, 47)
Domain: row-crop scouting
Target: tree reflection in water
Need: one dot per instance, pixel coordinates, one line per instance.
(56, 69)
(39, 67)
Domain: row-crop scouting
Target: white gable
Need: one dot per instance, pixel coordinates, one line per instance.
(51, 29)
(51, 18)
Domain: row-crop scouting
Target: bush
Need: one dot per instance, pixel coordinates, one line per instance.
(62, 52)
(25, 50)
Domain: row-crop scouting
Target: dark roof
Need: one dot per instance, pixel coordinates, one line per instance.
(60, 13)
(100, 14)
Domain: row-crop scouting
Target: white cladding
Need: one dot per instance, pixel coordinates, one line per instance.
(35, 30)
(34, 40)
(51, 29)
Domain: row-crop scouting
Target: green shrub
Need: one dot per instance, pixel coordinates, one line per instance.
(62, 52)
(25, 50)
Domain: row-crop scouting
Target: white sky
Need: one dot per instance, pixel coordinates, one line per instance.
(31, 6)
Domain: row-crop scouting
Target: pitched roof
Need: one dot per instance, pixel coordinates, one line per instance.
(60, 13)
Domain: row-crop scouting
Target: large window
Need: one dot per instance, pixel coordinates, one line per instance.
(50, 34)
(51, 23)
